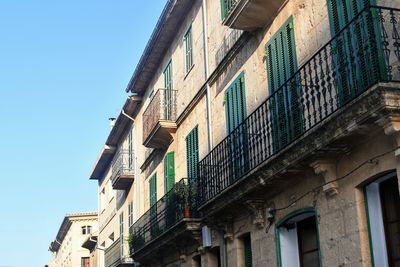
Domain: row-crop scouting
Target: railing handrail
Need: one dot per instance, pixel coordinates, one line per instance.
(162, 199)
(306, 99)
(271, 96)
(153, 97)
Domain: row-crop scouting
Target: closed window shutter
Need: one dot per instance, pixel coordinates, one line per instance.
(153, 190)
(169, 171)
(192, 153)
(248, 262)
(235, 102)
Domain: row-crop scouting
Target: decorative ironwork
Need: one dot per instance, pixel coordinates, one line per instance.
(123, 164)
(366, 51)
(162, 107)
(229, 6)
(172, 208)
(118, 253)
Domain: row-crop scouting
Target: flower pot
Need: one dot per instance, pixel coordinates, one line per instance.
(187, 213)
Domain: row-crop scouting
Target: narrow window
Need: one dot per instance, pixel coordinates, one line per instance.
(169, 171)
(188, 46)
(235, 103)
(130, 214)
(130, 150)
(383, 208)
(248, 261)
(87, 229)
(85, 262)
(121, 224)
(284, 105)
(192, 153)
(298, 241)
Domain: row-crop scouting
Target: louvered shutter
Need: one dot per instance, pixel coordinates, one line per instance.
(235, 103)
(248, 261)
(169, 171)
(192, 153)
(153, 190)
(285, 104)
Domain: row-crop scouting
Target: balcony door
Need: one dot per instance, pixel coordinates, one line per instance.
(285, 97)
(153, 205)
(169, 182)
(355, 46)
(168, 86)
(235, 108)
(383, 211)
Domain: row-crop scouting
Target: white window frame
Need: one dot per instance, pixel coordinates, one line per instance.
(375, 221)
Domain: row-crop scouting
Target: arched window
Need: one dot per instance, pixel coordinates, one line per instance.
(383, 211)
(87, 229)
(298, 241)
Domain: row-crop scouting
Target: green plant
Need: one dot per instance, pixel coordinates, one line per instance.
(135, 241)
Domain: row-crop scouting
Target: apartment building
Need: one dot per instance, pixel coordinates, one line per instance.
(264, 133)
(67, 248)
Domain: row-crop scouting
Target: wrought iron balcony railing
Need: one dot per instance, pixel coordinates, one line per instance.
(172, 208)
(118, 253)
(123, 169)
(158, 116)
(227, 7)
(365, 52)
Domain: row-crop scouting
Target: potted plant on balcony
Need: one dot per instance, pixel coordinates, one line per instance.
(186, 193)
(135, 241)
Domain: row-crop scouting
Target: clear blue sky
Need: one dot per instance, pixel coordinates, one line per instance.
(64, 67)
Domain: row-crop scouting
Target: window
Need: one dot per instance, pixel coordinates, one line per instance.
(130, 214)
(87, 229)
(169, 171)
(121, 224)
(192, 153)
(235, 108)
(85, 262)
(284, 105)
(235, 103)
(383, 209)
(247, 253)
(130, 150)
(298, 240)
(226, 7)
(188, 46)
(168, 76)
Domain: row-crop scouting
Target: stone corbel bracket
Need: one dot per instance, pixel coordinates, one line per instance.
(327, 168)
(257, 209)
(391, 126)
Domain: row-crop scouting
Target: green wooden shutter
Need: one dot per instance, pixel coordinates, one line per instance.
(169, 171)
(153, 190)
(248, 261)
(285, 107)
(235, 103)
(281, 56)
(192, 153)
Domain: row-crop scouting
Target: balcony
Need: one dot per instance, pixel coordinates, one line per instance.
(123, 170)
(170, 223)
(159, 119)
(342, 92)
(117, 255)
(249, 15)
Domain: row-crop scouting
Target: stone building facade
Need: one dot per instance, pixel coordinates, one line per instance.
(263, 133)
(67, 246)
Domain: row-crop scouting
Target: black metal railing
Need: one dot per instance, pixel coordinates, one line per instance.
(123, 164)
(162, 107)
(227, 7)
(366, 51)
(173, 207)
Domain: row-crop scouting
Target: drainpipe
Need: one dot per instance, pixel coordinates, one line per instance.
(208, 94)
